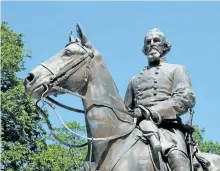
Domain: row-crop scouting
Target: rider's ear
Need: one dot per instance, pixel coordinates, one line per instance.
(82, 36)
(167, 47)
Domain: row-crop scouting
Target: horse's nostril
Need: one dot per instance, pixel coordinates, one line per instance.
(30, 77)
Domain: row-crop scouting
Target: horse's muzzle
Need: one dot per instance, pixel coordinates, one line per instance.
(31, 88)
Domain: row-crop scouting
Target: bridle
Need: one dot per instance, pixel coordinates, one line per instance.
(63, 74)
(71, 69)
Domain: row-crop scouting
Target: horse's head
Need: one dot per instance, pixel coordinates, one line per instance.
(68, 68)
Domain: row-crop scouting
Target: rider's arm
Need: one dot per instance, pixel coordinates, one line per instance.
(182, 96)
(129, 97)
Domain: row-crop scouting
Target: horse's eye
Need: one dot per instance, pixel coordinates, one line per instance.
(68, 53)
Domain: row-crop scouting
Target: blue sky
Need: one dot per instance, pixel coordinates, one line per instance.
(117, 30)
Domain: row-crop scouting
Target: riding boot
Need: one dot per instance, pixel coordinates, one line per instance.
(178, 161)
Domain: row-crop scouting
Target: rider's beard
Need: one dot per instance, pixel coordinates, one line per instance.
(153, 56)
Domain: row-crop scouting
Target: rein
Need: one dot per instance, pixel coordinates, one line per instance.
(50, 101)
(96, 102)
(39, 109)
(87, 138)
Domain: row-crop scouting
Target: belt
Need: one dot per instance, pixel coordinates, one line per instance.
(177, 123)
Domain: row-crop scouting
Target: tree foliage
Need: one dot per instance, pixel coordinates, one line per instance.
(205, 146)
(21, 131)
(58, 157)
(24, 142)
(12, 57)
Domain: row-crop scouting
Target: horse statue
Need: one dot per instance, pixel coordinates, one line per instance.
(114, 141)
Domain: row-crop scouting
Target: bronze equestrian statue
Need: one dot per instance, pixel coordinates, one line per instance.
(115, 142)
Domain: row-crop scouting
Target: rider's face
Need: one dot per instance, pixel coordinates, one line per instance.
(154, 45)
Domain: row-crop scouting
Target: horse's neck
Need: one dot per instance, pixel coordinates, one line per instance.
(103, 121)
(101, 85)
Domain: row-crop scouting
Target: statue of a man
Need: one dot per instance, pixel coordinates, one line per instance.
(162, 92)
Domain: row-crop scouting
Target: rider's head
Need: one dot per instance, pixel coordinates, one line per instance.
(155, 45)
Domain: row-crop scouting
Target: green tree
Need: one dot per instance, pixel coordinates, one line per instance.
(23, 139)
(205, 146)
(57, 157)
(21, 128)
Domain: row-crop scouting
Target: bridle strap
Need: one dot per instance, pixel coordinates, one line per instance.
(70, 70)
(75, 63)
(50, 70)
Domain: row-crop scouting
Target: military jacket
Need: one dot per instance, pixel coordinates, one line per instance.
(165, 89)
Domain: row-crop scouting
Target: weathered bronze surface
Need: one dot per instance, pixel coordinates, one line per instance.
(163, 89)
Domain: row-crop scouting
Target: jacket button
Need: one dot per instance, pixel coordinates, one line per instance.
(155, 94)
(155, 87)
(156, 72)
(155, 81)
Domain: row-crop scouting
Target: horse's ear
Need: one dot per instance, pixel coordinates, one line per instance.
(82, 36)
(71, 38)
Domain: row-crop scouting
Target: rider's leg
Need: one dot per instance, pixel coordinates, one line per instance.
(148, 127)
(178, 161)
